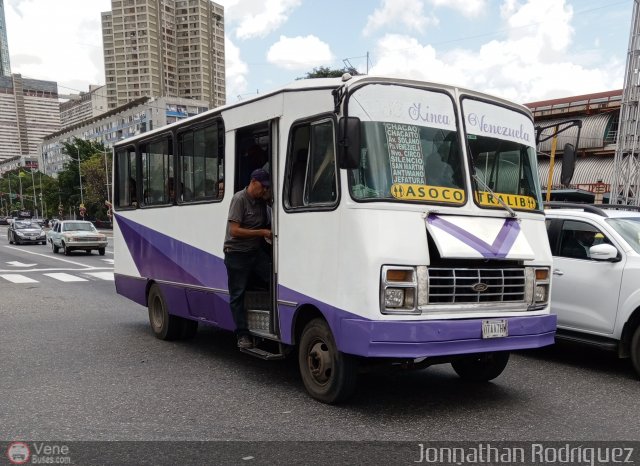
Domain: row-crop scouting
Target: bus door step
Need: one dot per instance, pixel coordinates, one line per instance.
(262, 354)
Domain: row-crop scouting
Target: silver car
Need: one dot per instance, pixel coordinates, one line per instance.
(25, 231)
(70, 235)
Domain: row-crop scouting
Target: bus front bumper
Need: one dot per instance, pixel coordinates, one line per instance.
(418, 339)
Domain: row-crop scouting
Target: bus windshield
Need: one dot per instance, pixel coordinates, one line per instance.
(501, 145)
(410, 146)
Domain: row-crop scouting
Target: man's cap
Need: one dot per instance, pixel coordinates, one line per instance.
(262, 176)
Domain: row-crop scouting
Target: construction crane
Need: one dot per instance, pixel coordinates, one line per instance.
(625, 188)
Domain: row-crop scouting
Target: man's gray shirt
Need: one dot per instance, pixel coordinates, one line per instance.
(249, 213)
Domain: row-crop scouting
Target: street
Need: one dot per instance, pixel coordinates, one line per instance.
(80, 363)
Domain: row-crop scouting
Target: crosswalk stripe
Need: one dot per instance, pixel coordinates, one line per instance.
(102, 275)
(15, 278)
(65, 277)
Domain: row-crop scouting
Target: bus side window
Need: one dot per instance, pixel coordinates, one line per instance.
(312, 174)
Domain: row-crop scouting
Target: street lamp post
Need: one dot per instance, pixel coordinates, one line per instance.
(106, 173)
(35, 199)
(80, 177)
(20, 183)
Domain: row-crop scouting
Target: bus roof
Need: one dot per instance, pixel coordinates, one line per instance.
(315, 84)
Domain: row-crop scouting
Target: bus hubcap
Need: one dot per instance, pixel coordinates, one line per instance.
(320, 362)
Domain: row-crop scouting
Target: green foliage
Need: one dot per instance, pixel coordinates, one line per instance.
(326, 72)
(65, 189)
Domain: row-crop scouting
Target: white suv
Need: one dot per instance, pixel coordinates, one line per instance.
(596, 275)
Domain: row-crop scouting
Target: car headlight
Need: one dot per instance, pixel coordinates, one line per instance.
(19, 233)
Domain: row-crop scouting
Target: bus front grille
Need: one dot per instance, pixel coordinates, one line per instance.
(458, 286)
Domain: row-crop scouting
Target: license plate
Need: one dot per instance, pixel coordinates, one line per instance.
(494, 328)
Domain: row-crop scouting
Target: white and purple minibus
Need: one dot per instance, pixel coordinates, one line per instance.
(407, 219)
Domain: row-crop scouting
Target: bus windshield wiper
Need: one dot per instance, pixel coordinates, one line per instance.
(488, 189)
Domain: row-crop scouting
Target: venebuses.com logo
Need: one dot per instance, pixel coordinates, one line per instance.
(18, 453)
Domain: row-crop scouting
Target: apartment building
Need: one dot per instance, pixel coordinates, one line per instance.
(172, 48)
(83, 106)
(135, 117)
(29, 110)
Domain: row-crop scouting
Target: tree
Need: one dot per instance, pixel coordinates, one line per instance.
(93, 178)
(326, 72)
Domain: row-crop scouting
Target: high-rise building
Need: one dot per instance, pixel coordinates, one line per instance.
(29, 110)
(83, 106)
(5, 66)
(156, 48)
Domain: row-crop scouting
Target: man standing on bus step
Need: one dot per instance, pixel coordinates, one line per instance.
(244, 252)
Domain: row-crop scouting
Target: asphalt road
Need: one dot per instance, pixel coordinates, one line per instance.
(79, 362)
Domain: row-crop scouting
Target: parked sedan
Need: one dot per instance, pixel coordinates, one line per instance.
(25, 231)
(70, 235)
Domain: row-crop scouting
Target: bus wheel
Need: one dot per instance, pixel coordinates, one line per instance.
(164, 325)
(481, 367)
(328, 375)
(635, 350)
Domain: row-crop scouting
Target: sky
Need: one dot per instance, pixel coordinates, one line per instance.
(522, 50)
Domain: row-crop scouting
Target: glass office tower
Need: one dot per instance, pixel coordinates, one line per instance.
(5, 66)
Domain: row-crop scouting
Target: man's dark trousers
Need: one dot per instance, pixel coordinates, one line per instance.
(240, 266)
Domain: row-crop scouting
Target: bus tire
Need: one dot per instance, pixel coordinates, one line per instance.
(635, 350)
(481, 367)
(164, 325)
(328, 375)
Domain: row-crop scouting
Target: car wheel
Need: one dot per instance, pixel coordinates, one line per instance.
(101, 251)
(87, 251)
(67, 251)
(635, 350)
(481, 367)
(328, 375)
(54, 248)
(164, 325)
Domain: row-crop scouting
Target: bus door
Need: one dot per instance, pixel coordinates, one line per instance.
(255, 146)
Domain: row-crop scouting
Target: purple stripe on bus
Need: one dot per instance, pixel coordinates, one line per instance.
(164, 258)
(500, 247)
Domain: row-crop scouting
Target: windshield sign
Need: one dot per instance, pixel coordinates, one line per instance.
(501, 144)
(409, 146)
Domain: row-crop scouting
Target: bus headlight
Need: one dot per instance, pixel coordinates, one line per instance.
(393, 297)
(537, 286)
(398, 290)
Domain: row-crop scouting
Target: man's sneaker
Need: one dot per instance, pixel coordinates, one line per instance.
(244, 341)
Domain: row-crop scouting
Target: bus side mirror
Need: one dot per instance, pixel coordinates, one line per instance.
(349, 142)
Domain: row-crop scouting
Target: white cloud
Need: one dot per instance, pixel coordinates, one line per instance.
(532, 64)
(237, 70)
(296, 53)
(404, 13)
(257, 18)
(466, 7)
(74, 23)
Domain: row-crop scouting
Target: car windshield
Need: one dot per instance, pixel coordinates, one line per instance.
(629, 229)
(501, 144)
(77, 226)
(25, 225)
(409, 146)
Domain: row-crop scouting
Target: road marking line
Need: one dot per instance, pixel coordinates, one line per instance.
(65, 277)
(102, 275)
(108, 261)
(21, 264)
(50, 256)
(15, 278)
